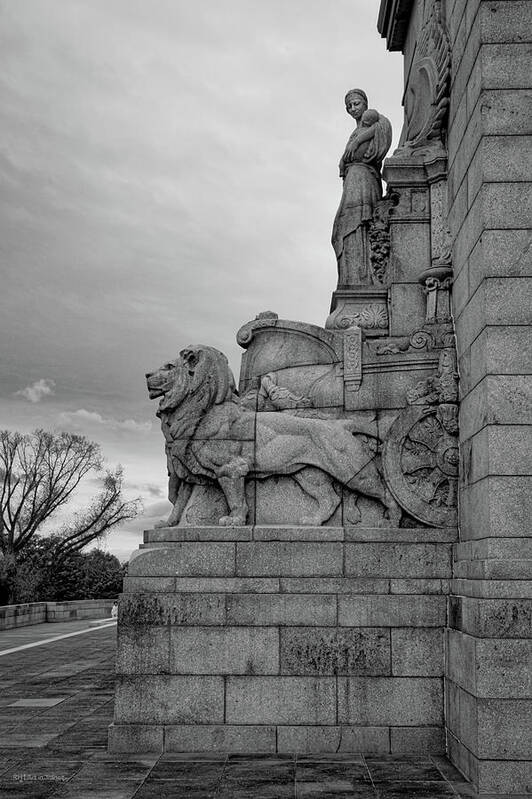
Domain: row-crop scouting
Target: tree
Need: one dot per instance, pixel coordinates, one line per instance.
(39, 472)
(103, 574)
(39, 577)
(77, 575)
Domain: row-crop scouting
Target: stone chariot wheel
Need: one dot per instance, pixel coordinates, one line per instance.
(420, 461)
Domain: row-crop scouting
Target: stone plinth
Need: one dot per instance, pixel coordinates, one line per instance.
(283, 639)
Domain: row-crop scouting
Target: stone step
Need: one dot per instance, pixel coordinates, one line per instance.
(165, 535)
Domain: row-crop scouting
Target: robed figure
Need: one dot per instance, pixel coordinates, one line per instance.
(360, 169)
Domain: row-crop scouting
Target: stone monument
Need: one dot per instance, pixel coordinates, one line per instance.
(309, 591)
(467, 132)
(295, 599)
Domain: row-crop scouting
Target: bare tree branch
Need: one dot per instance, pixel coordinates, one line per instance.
(39, 473)
(107, 510)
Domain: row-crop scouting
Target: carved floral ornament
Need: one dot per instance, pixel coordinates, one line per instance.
(426, 99)
(379, 238)
(369, 317)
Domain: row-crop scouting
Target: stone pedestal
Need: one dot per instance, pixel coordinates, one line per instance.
(283, 639)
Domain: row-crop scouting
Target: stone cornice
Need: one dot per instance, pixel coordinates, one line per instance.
(392, 23)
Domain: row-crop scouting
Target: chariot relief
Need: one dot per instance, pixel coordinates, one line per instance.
(211, 437)
(355, 422)
(421, 451)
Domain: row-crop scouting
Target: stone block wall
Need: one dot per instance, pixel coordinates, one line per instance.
(489, 650)
(487, 141)
(22, 615)
(79, 609)
(38, 612)
(287, 639)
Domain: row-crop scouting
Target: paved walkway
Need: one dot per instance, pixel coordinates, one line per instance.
(57, 701)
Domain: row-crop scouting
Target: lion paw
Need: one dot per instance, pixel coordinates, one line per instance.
(311, 521)
(170, 522)
(232, 521)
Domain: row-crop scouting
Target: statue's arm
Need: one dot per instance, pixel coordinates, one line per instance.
(360, 136)
(366, 134)
(350, 149)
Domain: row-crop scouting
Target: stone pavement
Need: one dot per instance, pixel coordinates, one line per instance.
(56, 704)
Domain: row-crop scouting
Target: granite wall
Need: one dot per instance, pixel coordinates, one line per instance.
(490, 208)
(488, 142)
(294, 639)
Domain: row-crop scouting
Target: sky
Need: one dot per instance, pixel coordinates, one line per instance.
(168, 169)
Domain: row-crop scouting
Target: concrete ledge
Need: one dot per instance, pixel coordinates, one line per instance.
(79, 609)
(22, 615)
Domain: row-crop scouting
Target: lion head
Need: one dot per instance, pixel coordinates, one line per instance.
(200, 374)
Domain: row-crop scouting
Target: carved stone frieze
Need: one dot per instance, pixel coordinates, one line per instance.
(379, 238)
(353, 359)
(430, 337)
(420, 455)
(370, 317)
(272, 396)
(272, 344)
(421, 464)
(262, 320)
(212, 439)
(366, 308)
(426, 100)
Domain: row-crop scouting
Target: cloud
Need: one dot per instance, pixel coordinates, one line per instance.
(147, 519)
(151, 489)
(34, 393)
(81, 418)
(148, 157)
(124, 540)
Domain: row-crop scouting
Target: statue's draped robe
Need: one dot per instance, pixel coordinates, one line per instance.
(362, 189)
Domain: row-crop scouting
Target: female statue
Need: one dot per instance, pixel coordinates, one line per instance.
(360, 167)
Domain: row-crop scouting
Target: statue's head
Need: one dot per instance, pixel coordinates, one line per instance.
(356, 102)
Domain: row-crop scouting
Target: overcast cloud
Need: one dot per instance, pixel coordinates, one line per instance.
(168, 170)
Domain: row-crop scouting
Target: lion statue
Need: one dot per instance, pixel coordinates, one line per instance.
(210, 437)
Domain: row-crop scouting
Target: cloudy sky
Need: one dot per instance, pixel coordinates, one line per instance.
(168, 170)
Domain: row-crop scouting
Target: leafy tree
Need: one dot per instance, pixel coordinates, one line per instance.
(77, 575)
(103, 574)
(38, 474)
